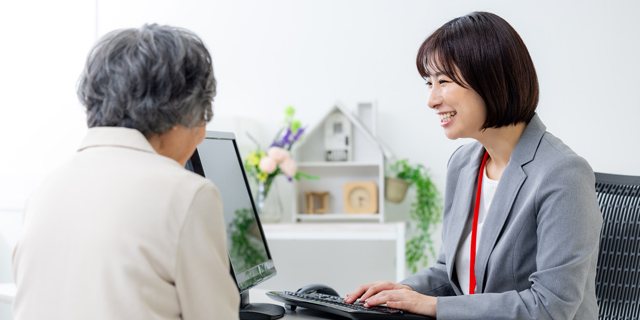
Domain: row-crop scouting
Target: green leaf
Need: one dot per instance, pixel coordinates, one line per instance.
(306, 176)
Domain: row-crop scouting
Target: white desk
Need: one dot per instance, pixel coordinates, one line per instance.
(8, 292)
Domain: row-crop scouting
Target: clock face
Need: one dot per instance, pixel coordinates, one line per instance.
(360, 198)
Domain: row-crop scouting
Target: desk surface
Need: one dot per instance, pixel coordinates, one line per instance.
(8, 291)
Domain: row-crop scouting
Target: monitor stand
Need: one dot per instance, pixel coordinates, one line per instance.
(258, 311)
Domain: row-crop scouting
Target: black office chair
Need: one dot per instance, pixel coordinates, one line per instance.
(618, 271)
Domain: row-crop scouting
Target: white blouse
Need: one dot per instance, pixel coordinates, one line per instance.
(463, 256)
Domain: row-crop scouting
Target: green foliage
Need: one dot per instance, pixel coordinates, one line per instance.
(426, 211)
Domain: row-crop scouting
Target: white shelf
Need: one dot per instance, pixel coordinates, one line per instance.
(337, 164)
(338, 217)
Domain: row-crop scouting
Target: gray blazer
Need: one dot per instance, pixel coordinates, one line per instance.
(539, 247)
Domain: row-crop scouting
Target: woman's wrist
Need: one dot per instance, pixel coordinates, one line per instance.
(435, 307)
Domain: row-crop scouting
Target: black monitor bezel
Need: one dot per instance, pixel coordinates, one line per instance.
(197, 168)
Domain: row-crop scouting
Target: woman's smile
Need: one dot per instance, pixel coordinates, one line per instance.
(446, 117)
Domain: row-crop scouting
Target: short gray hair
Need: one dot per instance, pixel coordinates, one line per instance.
(150, 79)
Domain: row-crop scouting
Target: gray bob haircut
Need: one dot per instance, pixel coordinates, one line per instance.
(150, 79)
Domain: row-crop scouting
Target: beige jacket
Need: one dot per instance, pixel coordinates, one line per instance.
(121, 232)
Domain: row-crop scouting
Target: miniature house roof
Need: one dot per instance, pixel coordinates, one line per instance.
(359, 125)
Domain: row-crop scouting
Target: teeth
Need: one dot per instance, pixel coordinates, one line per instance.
(445, 117)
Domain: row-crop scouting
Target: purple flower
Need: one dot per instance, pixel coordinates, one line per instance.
(285, 140)
(298, 134)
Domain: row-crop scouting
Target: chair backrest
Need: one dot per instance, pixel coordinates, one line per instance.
(618, 271)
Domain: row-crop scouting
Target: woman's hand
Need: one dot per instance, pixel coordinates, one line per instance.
(405, 299)
(367, 290)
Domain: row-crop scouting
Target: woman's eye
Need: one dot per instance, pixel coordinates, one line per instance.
(429, 84)
(442, 81)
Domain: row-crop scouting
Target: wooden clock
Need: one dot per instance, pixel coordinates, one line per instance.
(360, 197)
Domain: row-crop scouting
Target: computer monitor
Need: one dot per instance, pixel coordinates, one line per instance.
(217, 159)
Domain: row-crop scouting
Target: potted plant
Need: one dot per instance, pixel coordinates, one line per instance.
(426, 209)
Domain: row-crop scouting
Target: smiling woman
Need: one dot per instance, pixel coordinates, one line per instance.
(521, 223)
(489, 58)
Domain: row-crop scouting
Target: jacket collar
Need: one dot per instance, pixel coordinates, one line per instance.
(116, 137)
(527, 146)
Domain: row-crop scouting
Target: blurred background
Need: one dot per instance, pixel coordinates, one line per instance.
(309, 54)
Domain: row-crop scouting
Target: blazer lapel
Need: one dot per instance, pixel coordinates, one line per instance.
(461, 210)
(510, 183)
(512, 179)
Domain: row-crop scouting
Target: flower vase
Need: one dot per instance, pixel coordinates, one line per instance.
(269, 202)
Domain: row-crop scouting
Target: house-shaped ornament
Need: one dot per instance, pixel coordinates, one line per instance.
(343, 150)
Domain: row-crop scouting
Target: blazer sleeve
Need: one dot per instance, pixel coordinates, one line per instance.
(203, 281)
(432, 281)
(568, 233)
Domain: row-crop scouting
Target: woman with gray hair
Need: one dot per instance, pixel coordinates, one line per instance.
(122, 230)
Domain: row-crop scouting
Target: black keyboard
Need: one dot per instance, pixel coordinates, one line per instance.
(335, 305)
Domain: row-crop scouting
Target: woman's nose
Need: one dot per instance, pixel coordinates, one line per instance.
(435, 97)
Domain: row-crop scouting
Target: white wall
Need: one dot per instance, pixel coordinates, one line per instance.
(44, 44)
(270, 54)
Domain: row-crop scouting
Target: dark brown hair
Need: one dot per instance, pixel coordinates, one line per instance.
(481, 51)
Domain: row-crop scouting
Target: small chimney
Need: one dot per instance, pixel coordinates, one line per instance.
(368, 115)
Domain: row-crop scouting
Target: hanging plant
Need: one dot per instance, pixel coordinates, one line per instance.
(425, 213)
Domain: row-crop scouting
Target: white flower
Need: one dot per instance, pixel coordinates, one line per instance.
(278, 154)
(289, 167)
(268, 165)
